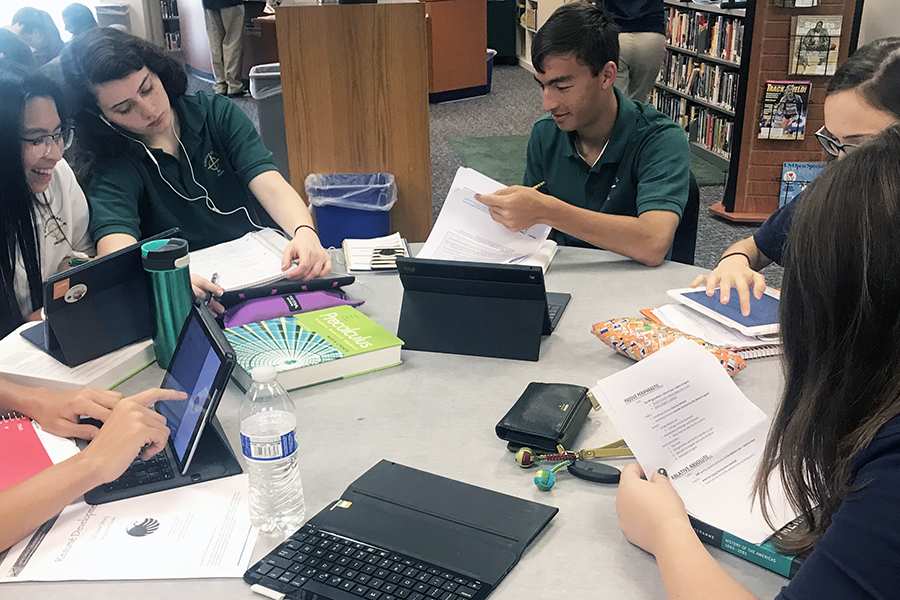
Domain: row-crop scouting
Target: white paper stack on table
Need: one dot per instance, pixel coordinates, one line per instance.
(679, 410)
(358, 252)
(249, 261)
(194, 531)
(465, 231)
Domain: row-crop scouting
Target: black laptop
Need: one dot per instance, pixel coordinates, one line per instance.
(402, 534)
(197, 449)
(96, 308)
(479, 309)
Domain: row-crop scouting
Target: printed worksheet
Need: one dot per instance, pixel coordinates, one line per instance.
(465, 230)
(678, 409)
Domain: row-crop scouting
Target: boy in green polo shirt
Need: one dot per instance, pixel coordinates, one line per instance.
(602, 170)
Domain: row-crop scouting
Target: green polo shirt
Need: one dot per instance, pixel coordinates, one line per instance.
(645, 166)
(127, 194)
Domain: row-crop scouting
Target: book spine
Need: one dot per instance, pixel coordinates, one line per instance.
(764, 556)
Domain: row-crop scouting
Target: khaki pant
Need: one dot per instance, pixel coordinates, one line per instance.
(225, 29)
(640, 58)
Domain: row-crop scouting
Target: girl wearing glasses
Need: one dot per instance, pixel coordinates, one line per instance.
(862, 99)
(835, 439)
(43, 212)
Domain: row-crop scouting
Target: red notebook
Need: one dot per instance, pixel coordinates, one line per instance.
(21, 452)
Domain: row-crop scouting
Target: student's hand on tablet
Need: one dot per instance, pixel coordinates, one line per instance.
(131, 429)
(733, 272)
(311, 258)
(58, 412)
(201, 286)
(650, 512)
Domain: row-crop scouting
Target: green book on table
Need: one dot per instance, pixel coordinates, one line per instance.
(764, 555)
(313, 347)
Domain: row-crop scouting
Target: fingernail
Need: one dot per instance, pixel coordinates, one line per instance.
(662, 472)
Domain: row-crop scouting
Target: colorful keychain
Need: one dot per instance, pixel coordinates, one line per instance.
(576, 462)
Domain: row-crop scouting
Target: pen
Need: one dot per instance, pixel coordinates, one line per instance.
(214, 280)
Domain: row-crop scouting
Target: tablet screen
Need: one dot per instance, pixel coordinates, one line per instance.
(762, 312)
(193, 371)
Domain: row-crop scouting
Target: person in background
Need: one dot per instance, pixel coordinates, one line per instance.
(225, 30)
(862, 99)
(43, 212)
(602, 170)
(36, 28)
(642, 44)
(78, 18)
(835, 438)
(167, 159)
(13, 49)
(130, 429)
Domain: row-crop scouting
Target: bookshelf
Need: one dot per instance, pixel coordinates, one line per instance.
(531, 16)
(700, 83)
(171, 25)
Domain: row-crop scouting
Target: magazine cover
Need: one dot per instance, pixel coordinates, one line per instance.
(784, 110)
(815, 40)
(795, 176)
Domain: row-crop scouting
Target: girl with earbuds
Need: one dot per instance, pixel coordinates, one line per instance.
(43, 212)
(162, 158)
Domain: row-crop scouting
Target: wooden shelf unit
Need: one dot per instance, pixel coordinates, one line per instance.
(526, 10)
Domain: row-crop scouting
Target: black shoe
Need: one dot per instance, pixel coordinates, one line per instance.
(238, 94)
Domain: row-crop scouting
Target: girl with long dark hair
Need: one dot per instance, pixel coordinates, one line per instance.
(835, 439)
(43, 212)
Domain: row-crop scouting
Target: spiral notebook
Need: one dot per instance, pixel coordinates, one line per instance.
(689, 321)
(26, 450)
(249, 261)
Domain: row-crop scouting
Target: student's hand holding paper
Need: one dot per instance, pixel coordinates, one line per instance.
(518, 207)
(58, 412)
(311, 258)
(131, 429)
(651, 513)
(201, 285)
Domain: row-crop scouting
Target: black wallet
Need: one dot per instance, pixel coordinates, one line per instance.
(546, 415)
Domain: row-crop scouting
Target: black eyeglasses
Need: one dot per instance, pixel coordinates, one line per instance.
(831, 145)
(42, 144)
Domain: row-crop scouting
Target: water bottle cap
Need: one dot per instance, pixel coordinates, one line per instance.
(165, 255)
(263, 374)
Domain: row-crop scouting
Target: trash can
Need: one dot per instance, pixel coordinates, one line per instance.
(351, 205)
(113, 14)
(265, 87)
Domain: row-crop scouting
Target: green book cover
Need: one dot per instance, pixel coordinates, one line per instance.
(299, 347)
(764, 555)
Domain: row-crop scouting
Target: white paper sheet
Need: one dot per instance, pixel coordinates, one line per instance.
(679, 410)
(196, 531)
(465, 230)
(690, 321)
(249, 261)
(358, 253)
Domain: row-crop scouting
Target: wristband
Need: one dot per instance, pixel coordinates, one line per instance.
(735, 254)
(310, 227)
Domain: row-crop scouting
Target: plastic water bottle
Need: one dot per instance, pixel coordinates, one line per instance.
(269, 444)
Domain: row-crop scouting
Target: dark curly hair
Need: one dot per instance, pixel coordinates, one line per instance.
(101, 55)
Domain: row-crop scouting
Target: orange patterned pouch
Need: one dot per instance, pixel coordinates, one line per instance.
(638, 338)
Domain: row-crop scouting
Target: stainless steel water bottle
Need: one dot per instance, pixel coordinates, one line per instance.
(170, 280)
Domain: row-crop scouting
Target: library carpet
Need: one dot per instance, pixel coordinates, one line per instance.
(502, 157)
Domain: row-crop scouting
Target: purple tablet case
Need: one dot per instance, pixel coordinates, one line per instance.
(272, 307)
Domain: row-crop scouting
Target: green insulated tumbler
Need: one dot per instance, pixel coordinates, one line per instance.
(167, 263)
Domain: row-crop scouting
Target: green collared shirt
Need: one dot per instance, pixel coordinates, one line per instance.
(128, 195)
(645, 166)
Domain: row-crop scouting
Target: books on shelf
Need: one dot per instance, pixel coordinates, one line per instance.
(313, 347)
(795, 176)
(717, 36)
(24, 363)
(249, 261)
(784, 110)
(815, 42)
(679, 410)
(704, 81)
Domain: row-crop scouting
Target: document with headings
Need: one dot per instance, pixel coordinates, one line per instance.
(249, 261)
(195, 531)
(679, 410)
(465, 230)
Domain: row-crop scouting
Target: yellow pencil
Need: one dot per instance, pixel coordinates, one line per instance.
(539, 186)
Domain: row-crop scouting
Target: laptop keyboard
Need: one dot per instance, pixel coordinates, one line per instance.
(311, 557)
(142, 472)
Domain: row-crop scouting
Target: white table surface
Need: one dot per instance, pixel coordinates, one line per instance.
(437, 412)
